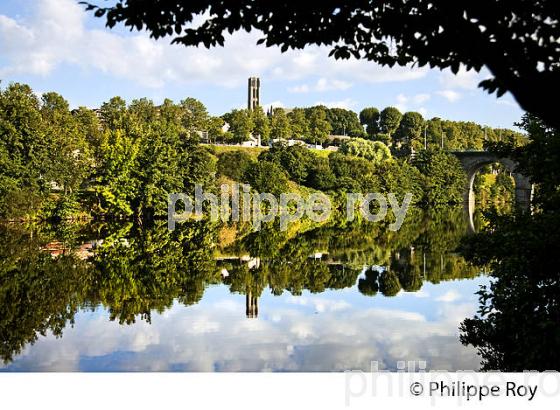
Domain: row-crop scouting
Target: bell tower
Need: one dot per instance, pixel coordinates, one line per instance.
(253, 93)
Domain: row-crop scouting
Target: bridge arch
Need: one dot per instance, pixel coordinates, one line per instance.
(473, 161)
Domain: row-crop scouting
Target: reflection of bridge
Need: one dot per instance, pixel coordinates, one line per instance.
(472, 161)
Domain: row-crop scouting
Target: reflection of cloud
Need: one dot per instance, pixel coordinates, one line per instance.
(319, 304)
(288, 335)
(420, 294)
(449, 296)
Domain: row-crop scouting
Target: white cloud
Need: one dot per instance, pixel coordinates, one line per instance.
(346, 103)
(304, 88)
(420, 98)
(450, 95)
(507, 102)
(273, 104)
(466, 80)
(323, 84)
(405, 101)
(56, 34)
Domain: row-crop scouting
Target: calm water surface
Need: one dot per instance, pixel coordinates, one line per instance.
(214, 298)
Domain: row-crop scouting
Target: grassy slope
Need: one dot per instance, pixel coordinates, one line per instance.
(255, 151)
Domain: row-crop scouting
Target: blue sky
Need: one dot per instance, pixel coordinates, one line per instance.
(53, 45)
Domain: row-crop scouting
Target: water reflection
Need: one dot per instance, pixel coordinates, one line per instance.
(209, 297)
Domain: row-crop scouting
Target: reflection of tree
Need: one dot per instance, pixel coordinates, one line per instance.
(516, 326)
(136, 270)
(38, 293)
(420, 250)
(407, 270)
(389, 283)
(148, 268)
(369, 285)
(342, 276)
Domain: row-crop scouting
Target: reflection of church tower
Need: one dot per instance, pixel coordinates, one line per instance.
(253, 93)
(251, 305)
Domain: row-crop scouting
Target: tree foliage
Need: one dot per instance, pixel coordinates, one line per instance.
(280, 127)
(516, 325)
(369, 117)
(445, 180)
(389, 120)
(240, 124)
(371, 150)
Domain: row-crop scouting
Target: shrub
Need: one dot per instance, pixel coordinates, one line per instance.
(234, 164)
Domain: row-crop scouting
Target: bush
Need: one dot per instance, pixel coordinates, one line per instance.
(295, 160)
(267, 176)
(234, 165)
(445, 179)
(320, 175)
(374, 151)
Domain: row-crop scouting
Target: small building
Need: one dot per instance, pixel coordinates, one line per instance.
(292, 142)
(252, 141)
(315, 146)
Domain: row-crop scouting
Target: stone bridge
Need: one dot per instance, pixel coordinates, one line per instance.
(472, 161)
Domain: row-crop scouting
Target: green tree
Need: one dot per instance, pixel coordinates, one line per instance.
(344, 122)
(369, 117)
(195, 116)
(389, 120)
(261, 125)
(235, 165)
(142, 112)
(299, 123)
(113, 113)
(23, 154)
(320, 175)
(89, 124)
(369, 285)
(295, 160)
(240, 124)
(319, 126)
(216, 129)
(411, 131)
(69, 160)
(515, 327)
(445, 179)
(389, 283)
(375, 151)
(115, 185)
(267, 177)
(280, 124)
